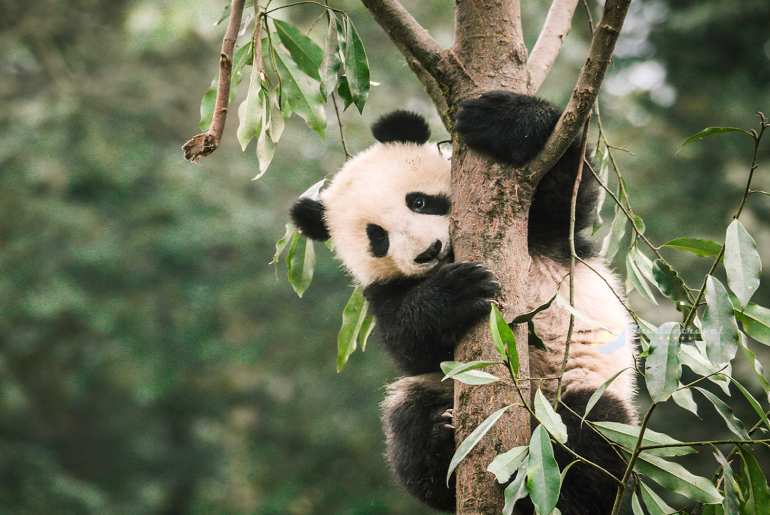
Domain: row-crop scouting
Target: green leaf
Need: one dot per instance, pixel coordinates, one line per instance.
(304, 51)
(265, 151)
(542, 472)
(473, 439)
(208, 104)
(331, 62)
(683, 398)
(626, 436)
(356, 66)
(526, 317)
(241, 58)
(604, 170)
(516, 490)
(733, 424)
(655, 505)
(757, 499)
(599, 392)
(506, 464)
(662, 367)
(756, 366)
(344, 90)
(611, 242)
(668, 281)
(676, 478)
(711, 131)
(357, 323)
(699, 247)
(731, 503)
(534, 339)
(755, 320)
(563, 304)
(742, 262)
(636, 506)
(754, 404)
(455, 368)
(301, 268)
(472, 377)
(638, 280)
(505, 341)
(720, 330)
(549, 418)
(304, 99)
(251, 112)
(281, 244)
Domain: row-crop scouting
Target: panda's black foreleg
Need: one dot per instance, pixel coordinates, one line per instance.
(421, 320)
(420, 438)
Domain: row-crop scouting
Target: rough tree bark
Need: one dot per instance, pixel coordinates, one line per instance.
(491, 201)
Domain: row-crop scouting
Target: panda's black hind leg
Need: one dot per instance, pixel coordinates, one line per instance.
(417, 417)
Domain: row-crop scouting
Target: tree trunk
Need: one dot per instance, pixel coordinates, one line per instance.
(490, 201)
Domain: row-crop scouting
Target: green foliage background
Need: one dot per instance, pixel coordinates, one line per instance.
(152, 363)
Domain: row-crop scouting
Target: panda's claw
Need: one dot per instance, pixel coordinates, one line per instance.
(450, 426)
(450, 413)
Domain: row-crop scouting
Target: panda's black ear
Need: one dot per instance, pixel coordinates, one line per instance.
(307, 215)
(401, 127)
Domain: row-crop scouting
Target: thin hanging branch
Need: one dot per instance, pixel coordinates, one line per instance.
(556, 27)
(206, 143)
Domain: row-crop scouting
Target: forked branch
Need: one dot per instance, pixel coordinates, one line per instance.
(556, 27)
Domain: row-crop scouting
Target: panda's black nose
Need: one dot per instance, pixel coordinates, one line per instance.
(430, 254)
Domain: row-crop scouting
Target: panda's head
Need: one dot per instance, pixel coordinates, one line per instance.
(387, 210)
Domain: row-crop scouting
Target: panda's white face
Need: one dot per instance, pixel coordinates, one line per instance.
(388, 211)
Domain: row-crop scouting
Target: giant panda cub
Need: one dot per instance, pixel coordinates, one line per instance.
(387, 211)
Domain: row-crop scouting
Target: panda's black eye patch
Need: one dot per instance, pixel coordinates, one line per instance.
(428, 204)
(378, 240)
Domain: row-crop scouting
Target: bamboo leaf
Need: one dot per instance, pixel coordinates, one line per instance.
(754, 404)
(731, 504)
(733, 423)
(676, 478)
(755, 320)
(655, 505)
(611, 242)
(626, 436)
(356, 66)
(304, 51)
(662, 366)
(599, 392)
(356, 324)
(505, 341)
(281, 244)
(454, 368)
(304, 99)
(472, 377)
(301, 268)
(603, 174)
(757, 499)
(742, 262)
(344, 90)
(542, 472)
(756, 366)
(473, 439)
(710, 131)
(636, 506)
(720, 330)
(331, 62)
(526, 317)
(637, 279)
(549, 418)
(683, 398)
(516, 490)
(699, 247)
(668, 281)
(506, 464)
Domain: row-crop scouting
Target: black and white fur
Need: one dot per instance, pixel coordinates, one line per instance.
(387, 211)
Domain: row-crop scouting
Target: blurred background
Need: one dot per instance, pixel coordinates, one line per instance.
(151, 362)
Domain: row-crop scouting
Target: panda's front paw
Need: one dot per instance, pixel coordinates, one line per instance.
(510, 127)
(470, 287)
(443, 430)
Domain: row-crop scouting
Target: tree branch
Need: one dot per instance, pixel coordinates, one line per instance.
(421, 52)
(556, 27)
(206, 143)
(586, 90)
